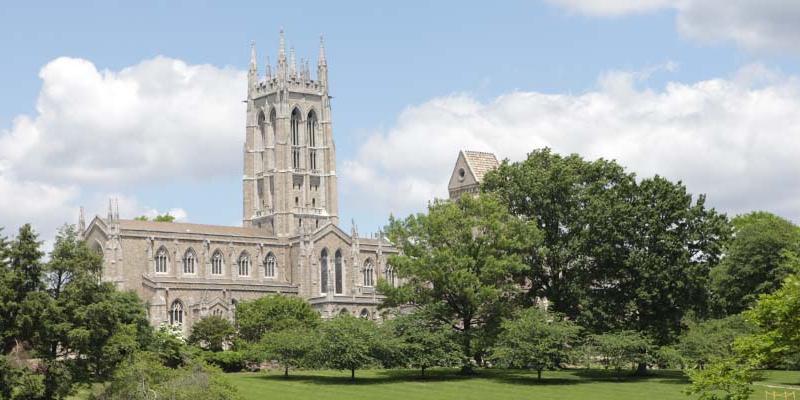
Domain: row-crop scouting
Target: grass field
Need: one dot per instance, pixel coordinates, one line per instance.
(488, 384)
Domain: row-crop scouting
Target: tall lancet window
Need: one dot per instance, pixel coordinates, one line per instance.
(244, 264)
(176, 313)
(262, 128)
(390, 275)
(189, 261)
(323, 271)
(369, 270)
(161, 260)
(295, 131)
(269, 265)
(311, 128)
(216, 263)
(338, 272)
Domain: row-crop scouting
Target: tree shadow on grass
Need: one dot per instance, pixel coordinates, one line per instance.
(368, 378)
(660, 376)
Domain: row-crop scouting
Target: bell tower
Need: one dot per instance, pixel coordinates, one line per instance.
(289, 181)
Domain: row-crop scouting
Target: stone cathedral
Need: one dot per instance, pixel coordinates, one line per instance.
(289, 242)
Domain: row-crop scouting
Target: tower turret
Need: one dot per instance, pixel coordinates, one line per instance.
(322, 66)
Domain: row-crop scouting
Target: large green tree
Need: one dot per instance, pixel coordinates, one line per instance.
(617, 253)
(347, 343)
(708, 341)
(273, 313)
(461, 263)
(212, 333)
(421, 342)
(21, 276)
(755, 259)
(536, 339)
(289, 347)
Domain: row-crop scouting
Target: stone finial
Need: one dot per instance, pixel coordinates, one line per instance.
(116, 209)
(282, 47)
(81, 223)
(268, 70)
(321, 59)
(110, 210)
(253, 63)
(292, 62)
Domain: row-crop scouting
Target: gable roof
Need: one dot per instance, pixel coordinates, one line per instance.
(480, 162)
(182, 227)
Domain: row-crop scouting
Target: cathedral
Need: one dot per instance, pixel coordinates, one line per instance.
(290, 241)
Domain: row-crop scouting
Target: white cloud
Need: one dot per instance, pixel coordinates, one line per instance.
(161, 119)
(736, 139)
(770, 25)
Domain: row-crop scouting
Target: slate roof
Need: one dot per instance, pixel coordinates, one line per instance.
(181, 227)
(480, 163)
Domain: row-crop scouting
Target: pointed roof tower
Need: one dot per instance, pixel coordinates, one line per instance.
(253, 63)
(322, 60)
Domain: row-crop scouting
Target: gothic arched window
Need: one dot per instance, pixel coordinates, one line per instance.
(311, 128)
(273, 122)
(364, 314)
(262, 128)
(189, 261)
(323, 271)
(369, 277)
(161, 260)
(176, 313)
(338, 272)
(269, 265)
(295, 132)
(244, 264)
(390, 276)
(216, 263)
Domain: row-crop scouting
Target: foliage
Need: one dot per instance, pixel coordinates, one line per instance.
(347, 343)
(722, 380)
(228, 361)
(158, 218)
(756, 259)
(212, 333)
(289, 347)
(146, 378)
(168, 343)
(617, 254)
(21, 275)
(618, 349)
(536, 339)
(712, 340)
(418, 341)
(273, 313)
(459, 263)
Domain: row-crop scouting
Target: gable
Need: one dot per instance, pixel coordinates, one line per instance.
(462, 174)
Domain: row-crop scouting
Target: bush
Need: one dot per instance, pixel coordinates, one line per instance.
(228, 361)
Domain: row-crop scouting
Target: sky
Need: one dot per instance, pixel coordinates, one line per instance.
(142, 101)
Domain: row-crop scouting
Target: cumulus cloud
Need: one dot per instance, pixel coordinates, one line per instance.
(735, 139)
(161, 119)
(757, 25)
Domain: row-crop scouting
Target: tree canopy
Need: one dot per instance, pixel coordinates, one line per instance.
(256, 317)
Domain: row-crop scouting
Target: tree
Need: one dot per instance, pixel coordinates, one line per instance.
(273, 313)
(712, 340)
(459, 263)
(755, 259)
(535, 338)
(289, 347)
(211, 333)
(158, 218)
(617, 254)
(422, 342)
(21, 276)
(722, 380)
(618, 349)
(347, 343)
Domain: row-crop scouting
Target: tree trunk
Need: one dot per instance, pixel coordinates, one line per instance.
(539, 374)
(352, 374)
(286, 372)
(466, 366)
(641, 369)
(423, 372)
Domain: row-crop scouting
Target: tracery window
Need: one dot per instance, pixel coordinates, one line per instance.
(216, 263)
(244, 264)
(295, 133)
(311, 128)
(269, 265)
(176, 313)
(338, 272)
(189, 262)
(390, 275)
(369, 277)
(323, 271)
(161, 260)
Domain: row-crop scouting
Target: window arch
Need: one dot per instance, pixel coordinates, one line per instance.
(189, 261)
(311, 128)
(295, 133)
(216, 263)
(161, 260)
(369, 273)
(176, 313)
(323, 271)
(364, 314)
(390, 275)
(273, 122)
(338, 272)
(244, 264)
(270, 263)
(262, 128)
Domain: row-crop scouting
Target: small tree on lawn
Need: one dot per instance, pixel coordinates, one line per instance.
(424, 342)
(212, 333)
(617, 349)
(535, 339)
(289, 347)
(347, 343)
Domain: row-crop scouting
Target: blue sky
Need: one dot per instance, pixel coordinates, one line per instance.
(390, 63)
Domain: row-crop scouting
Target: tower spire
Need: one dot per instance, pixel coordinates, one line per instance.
(253, 64)
(268, 70)
(322, 60)
(292, 63)
(282, 47)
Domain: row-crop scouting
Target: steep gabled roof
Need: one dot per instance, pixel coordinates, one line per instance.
(181, 227)
(480, 163)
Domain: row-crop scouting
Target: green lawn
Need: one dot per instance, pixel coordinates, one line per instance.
(443, 385)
